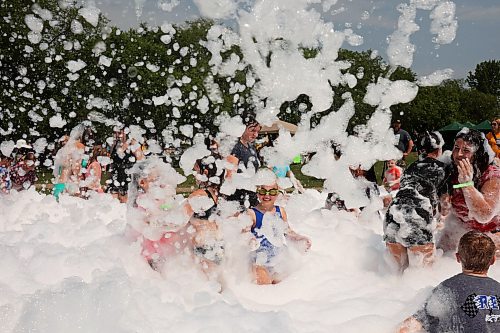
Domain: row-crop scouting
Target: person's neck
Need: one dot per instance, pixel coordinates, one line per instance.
(244, 142)
(265, 208)
(472, 273)
(433, 155)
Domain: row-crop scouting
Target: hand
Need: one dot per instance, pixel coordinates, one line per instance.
(405, 155)
(465, 171)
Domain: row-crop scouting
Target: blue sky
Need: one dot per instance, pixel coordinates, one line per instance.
(477, 36)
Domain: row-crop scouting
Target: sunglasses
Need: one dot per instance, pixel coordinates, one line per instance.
(494, 124)
(272, 192)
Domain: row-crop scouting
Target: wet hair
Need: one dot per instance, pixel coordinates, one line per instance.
(208, 167)
(482, 158)
(476, 250)
(249, 119)
(430, 142)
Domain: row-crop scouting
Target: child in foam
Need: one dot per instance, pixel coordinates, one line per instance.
(91, 172)
(410, 220)
(392, 176)
(201, 207)
(152, 211)
(271, 231)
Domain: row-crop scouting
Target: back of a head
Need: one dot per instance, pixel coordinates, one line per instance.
(476, 251)
(430, 142)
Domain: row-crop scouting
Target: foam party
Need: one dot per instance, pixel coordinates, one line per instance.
(245, 166)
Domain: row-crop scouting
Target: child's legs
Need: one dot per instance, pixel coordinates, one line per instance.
(262, 275)
(399, 253)
(421, 255)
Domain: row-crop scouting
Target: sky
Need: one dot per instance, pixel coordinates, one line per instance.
(476, 40)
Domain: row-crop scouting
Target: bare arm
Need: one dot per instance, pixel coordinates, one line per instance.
(290, 233)
(483, 205)
(410, 147)
(411, 325)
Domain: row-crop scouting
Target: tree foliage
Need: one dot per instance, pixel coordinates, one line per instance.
(486, 77)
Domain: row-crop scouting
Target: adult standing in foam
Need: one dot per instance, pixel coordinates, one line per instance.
(409, 224)
(404, 141)
(247, 158)
(474, 190)
(124, 153)
(466, 302)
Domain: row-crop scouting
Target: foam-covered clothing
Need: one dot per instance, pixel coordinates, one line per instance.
(392, 177)
(207, 241)
(494, 141)
(266, 251)
(281, 171)
(461, 211)
(410, 216)
(462, 304)
(204, 215)
(248, 157)
(123, 160)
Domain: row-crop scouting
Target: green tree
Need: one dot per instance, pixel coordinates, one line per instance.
(486, 77)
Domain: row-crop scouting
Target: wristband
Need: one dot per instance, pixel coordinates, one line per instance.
(471, 183)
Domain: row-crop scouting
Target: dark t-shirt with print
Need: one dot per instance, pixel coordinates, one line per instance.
(463, 304)
(246, 155)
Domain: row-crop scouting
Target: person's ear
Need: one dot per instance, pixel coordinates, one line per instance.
(493, 260)
(459, 260)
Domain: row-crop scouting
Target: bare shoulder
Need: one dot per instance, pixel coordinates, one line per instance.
(284, 215)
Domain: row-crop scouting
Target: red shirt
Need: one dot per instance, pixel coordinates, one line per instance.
(462, 211)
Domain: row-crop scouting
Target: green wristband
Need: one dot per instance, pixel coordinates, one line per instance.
(471, 183)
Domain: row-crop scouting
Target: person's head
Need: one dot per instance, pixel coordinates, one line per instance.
(391, 164)
(208, 172)
(267, 194)
(495, 124)
(431, 143)
(472, 145)
(476, 252)
(252, 128)
(396, 125)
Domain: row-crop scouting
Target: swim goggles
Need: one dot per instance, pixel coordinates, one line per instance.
(272, 192)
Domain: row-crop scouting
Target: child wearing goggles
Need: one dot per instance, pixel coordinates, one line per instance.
(271, 231)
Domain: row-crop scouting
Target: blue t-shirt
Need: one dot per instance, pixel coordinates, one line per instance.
(281, 171)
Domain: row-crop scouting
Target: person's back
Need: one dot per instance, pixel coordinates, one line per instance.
(463, 303)
(466, 302)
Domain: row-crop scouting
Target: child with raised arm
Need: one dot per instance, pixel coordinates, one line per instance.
(271, 231)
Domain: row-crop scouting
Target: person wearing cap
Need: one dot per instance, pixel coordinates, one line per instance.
(22, 173)
(403, 139)
(474, 190)
(246, 157)
(410, 219)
